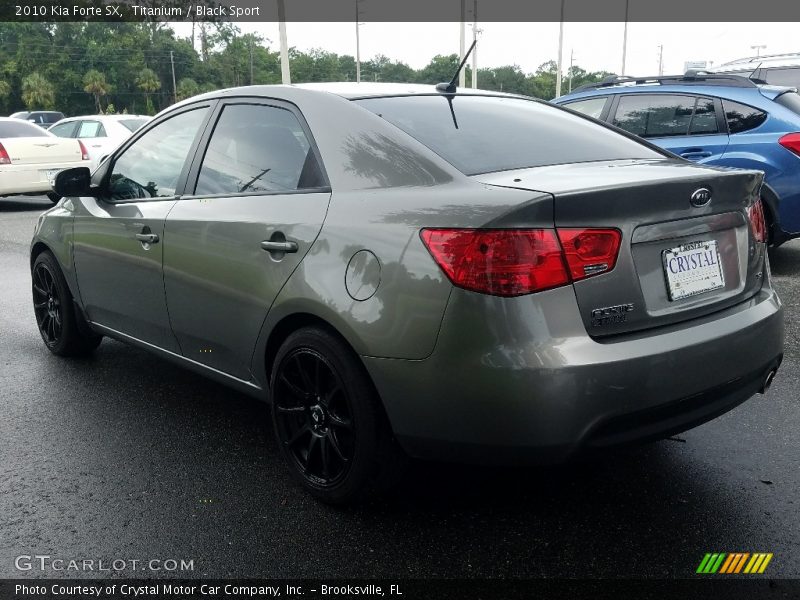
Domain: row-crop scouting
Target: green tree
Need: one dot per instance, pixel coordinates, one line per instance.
(148, 82)
(37, 92)
(187, 88)
(5, 89)
(94, 83)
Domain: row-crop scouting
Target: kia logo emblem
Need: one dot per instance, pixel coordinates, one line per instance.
(700, 197)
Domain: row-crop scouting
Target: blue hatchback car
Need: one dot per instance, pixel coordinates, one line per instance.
(724, 120)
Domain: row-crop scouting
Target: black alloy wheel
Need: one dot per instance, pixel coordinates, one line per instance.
(314, 417)
(328, 420)
(47, 304)
(55, 313)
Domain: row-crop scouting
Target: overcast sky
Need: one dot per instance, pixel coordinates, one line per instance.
(596, 46)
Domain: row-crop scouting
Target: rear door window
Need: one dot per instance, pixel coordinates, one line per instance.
(741, 117)
(666, 115)
(65, 130)
(91, 129)
(652, 115)
(258, 149)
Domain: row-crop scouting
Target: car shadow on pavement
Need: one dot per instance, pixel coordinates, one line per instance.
(785, 260)
(24, 204)
(127, 438)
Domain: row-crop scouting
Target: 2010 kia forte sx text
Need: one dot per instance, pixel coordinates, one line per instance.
(414, 270)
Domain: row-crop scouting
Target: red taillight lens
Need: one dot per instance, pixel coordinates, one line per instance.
(757, 221)
(500, 262)
(590, 251)
(5, 159)
(84, 151)
(791, 141)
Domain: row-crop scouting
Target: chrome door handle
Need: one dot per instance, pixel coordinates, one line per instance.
(147, 238)
(271, 246)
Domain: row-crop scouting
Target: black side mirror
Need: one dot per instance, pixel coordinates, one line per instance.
(73, 182)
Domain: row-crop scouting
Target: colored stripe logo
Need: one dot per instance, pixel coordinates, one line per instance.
(734, 562)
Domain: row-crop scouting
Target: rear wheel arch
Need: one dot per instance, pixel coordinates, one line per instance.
(291, 323)
(771, 203)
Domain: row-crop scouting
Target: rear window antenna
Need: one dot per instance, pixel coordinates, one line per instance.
(450, 88)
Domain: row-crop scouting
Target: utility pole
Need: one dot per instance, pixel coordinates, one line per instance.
(571, 60)
(286, 77)
(758, 48)
(174, 87)
(625, 37)
(462, 76)
(475, 49)
(251, 61)
(660, 60)
(560, 50)
(358, 46)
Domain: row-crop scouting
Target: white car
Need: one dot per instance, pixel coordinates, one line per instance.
(30, 157)
(100, 134)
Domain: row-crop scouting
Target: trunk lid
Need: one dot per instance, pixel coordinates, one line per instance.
(41, 150)
(679, 259)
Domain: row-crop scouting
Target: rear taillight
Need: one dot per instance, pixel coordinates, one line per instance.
(791, 141)
(501, 262)
(84, 151)
(758, 223)
(513, 262)
(590, 251)
(5, 159)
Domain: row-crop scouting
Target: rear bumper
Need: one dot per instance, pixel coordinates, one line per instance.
(518, 379)
(26, 179)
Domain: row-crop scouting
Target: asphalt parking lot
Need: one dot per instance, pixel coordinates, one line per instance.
(125, 456)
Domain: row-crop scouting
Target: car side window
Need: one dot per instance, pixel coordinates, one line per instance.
(152, 165)
(653, 115)
(591, 107)
(91, 129)
(704, 119)
(256, 148)
(741, 117)
(63, 129)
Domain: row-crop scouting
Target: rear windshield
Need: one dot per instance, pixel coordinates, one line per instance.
(790, 100)
(133, 124)
(10, 129)
(485, 134)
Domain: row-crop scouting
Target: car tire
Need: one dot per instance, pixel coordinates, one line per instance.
(53, 197)
(328, 420)
(55, 312)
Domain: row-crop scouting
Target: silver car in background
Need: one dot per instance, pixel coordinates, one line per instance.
(400, 270)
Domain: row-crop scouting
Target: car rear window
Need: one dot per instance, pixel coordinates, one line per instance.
(742, 117)
(10, 129)
(483, 134)
(133, 124)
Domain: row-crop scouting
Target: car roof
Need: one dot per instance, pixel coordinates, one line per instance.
(791, 59)
(347, 89)
(105, 117)
(754, 92)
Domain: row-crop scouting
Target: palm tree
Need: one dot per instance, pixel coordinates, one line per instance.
(148, 82)
(94, 83)
(187, 88)
(5, 89)
(37, 92)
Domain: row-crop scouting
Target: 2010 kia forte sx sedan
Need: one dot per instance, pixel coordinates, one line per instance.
(460, 275)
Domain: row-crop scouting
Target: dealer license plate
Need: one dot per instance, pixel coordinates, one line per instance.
(693, 269)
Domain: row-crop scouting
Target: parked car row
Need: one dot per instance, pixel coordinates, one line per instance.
(29, 160)
(714, 119)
